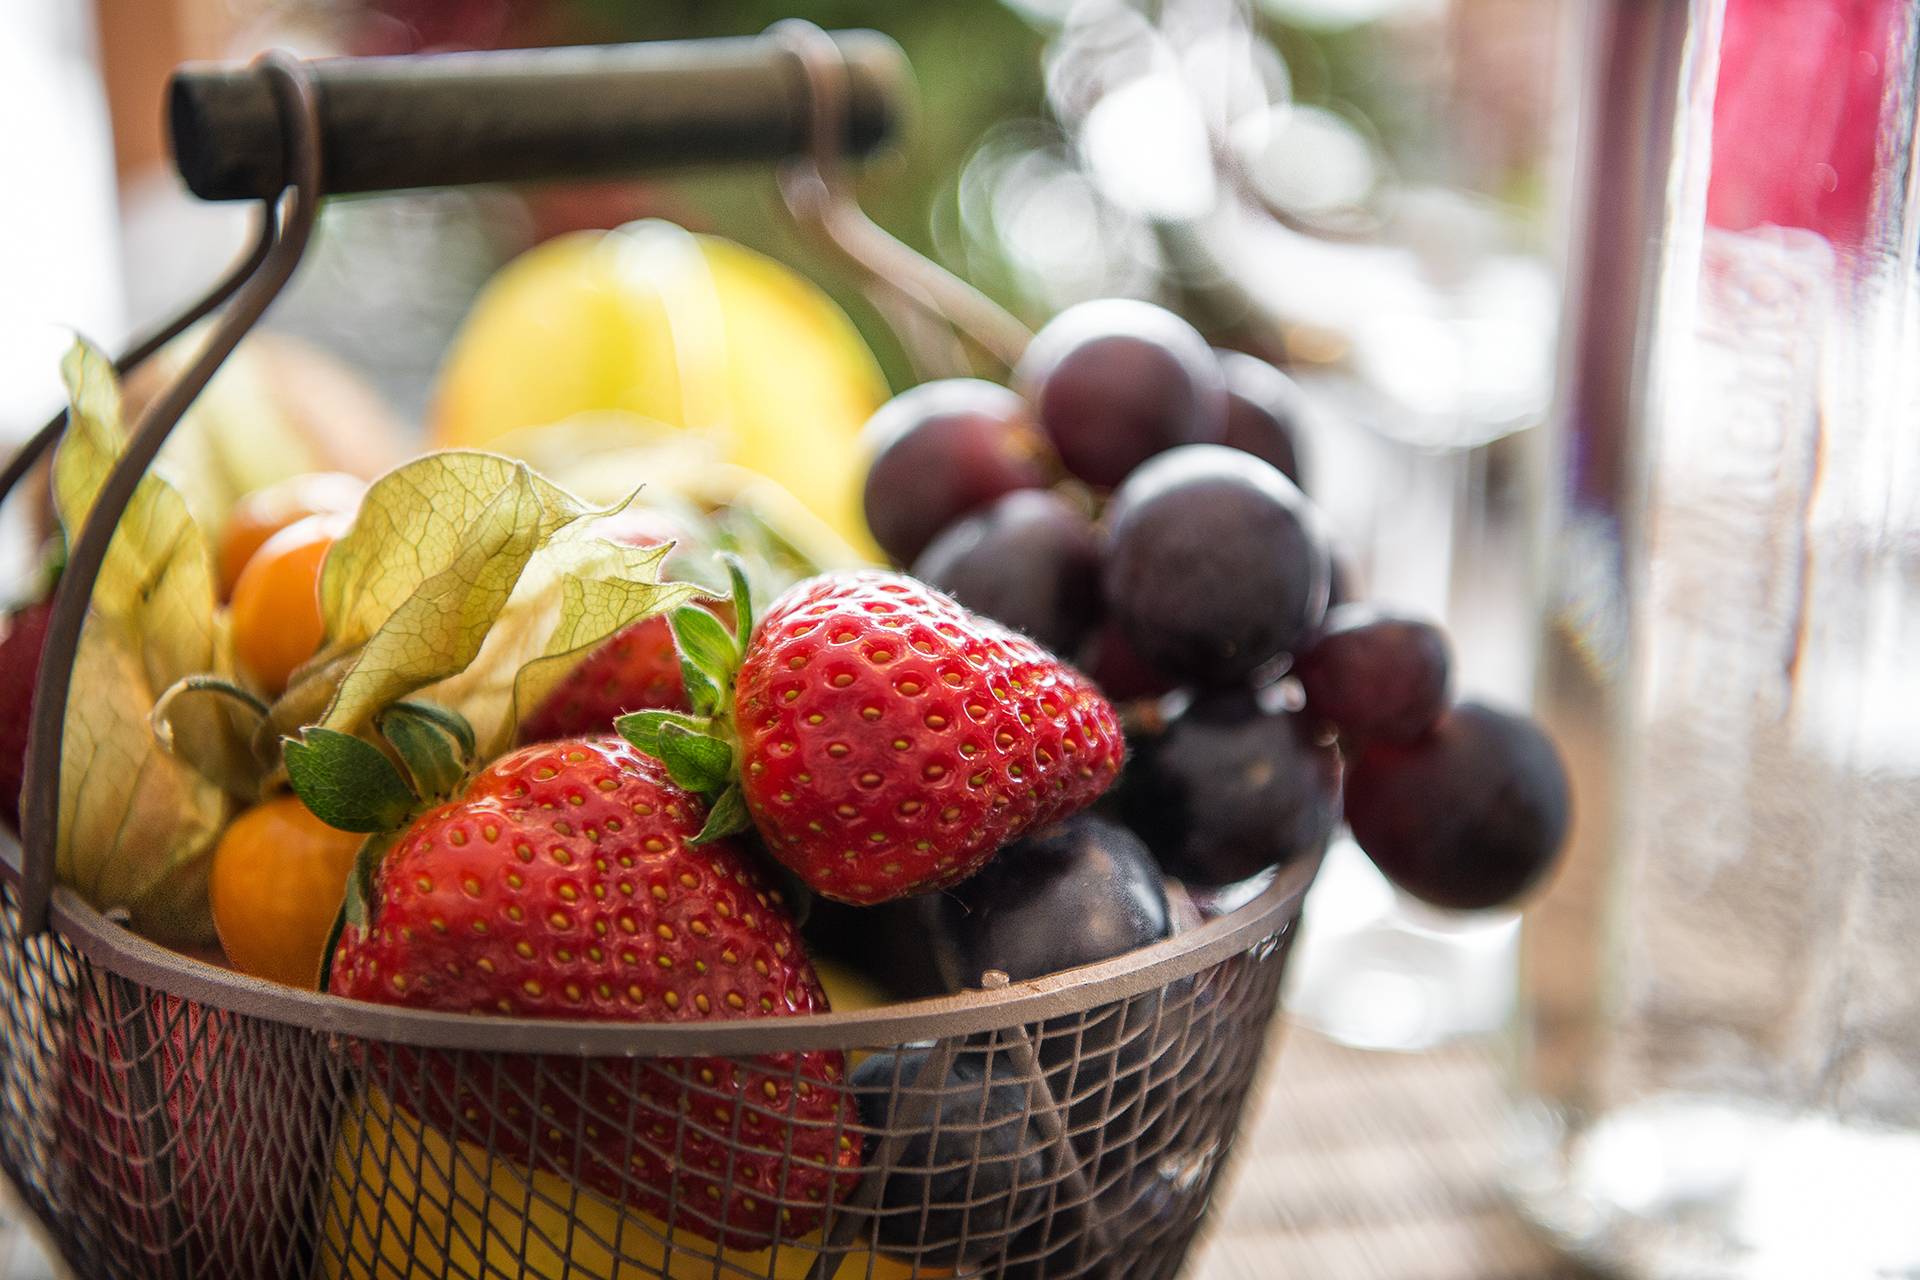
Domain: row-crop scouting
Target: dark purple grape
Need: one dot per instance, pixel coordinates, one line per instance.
(1214, 901)
(1142, 1200)
(1116, 381)
(1215, 564)
(1230, 788)
(1073, 893)
(885, 943)
(1264, 411)
(942, 450)
(1341, 588)
(1372, 674)
(973, 1170)
(1470, 816)
(1030, 561)
(1183, 909)
(1122, 674)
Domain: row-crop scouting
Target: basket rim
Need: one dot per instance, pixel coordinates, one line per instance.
(119, 950)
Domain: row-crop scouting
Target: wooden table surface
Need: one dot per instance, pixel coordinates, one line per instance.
(1371, 1166)
(1355, 1166)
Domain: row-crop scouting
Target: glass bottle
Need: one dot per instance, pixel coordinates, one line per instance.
(1721, 1067)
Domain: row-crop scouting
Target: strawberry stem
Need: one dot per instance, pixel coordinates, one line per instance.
(353, 906)
(434, 745)
(698, 750)
(447, 720)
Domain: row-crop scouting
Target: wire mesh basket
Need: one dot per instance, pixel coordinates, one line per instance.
(168, 1117)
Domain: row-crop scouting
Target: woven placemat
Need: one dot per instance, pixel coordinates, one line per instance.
(1355, 1166)
(1371, 1166)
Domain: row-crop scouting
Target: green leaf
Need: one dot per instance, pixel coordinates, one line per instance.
(354, 904)
(137, 824)
(435, 745)
(642, 728)
(705, 643)
(728, 817)
(348, 782)
(694, 760)
(742, 599)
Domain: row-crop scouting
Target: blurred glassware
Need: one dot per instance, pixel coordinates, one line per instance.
(1722, 1071)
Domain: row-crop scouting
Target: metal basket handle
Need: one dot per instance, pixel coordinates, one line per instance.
(288, 132)
(516, 115)
(903, 286)
(285, 227)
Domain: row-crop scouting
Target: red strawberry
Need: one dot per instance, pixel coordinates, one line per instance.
(889, 741)
(161, 1100)
(25, 635)
(636, 670)
(562, 884)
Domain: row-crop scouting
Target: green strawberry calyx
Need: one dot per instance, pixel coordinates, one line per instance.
(353, 784)
(700, 748)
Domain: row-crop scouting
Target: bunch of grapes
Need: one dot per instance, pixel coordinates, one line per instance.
(1133, 503)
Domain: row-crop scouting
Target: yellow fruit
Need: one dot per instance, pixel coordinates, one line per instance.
(848, 989)
(277, 624)
(276, 882)
(687, 330)
(417, 1215)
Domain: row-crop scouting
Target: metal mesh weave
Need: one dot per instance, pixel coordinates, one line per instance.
(157, 1136)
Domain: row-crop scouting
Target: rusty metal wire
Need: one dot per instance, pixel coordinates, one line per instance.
(159, 1136)
(915, 294)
